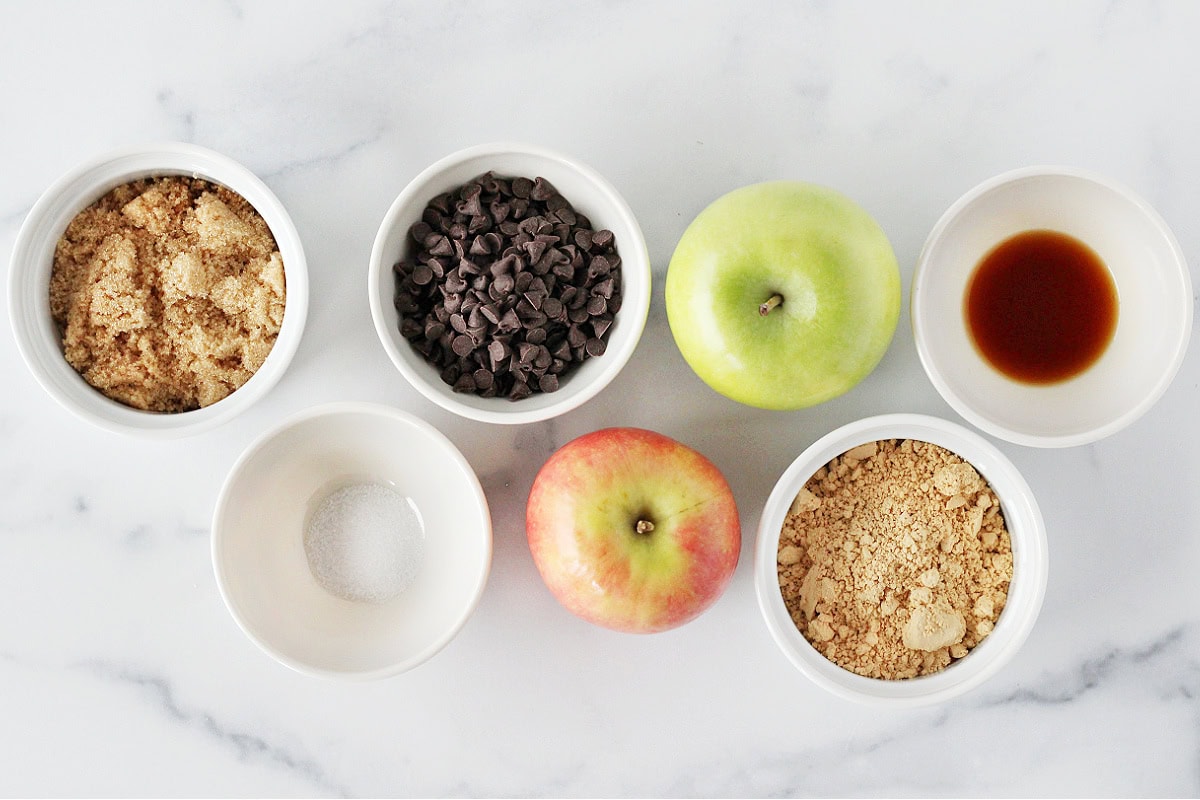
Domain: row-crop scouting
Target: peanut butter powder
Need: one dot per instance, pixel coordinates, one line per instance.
(894, 559)
(168, 293)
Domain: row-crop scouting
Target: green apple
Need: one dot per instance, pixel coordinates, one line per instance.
(632, 530)
(783, 295)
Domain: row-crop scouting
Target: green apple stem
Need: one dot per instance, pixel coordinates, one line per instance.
(644, 526)
(773, 301)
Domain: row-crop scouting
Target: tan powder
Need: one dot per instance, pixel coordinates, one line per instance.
(894, 559)
(168, 292)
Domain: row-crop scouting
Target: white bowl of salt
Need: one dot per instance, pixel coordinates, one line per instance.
(352, 541)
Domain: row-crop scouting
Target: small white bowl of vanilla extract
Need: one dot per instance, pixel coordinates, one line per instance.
(1051, 307)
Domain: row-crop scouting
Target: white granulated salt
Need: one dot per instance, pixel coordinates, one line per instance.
(364, 542)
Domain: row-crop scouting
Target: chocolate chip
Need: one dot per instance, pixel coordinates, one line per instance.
(535, 320)
(548, 382)
(422, 275)
(478, 334)
(541, 190)
(483, 378)
(470, 204)
(433, 218)
(598, 267)
(406, 304)
(521, 187)
(595, 347)
(410, 328)
(509, 323)
(454, 282)
(419, 231)
(501, 266)
(604, 288)
(564, 270)
(601, 324)
(498, 352)
(505, 284)
(535, 249)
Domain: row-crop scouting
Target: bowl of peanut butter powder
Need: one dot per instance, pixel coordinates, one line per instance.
(901, 560)
(158, 290)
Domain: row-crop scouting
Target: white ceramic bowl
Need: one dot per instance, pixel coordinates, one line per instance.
(29, 284)
(1154, 317)
(261, 564)
(588, 193)
(1026, 530)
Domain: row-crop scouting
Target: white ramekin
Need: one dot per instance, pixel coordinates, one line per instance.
(1154, 318)
(588, 193)
(29, 284)
(1025, 527)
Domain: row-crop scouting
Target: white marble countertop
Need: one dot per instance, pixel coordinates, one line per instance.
(123, 673)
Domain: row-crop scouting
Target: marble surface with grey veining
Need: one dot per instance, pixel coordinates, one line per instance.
(121, 673)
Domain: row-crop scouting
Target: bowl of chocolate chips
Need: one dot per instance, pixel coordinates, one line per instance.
(509, 283)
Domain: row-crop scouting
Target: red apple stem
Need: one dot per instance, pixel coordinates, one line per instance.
(644, 526)
(773, 301)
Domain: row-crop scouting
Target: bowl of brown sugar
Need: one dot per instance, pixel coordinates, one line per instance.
(901, 560)
(158, 290)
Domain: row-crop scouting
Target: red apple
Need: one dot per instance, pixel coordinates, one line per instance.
(632, 530)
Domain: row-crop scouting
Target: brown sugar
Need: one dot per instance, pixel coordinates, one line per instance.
(894, 559)
(168, 293)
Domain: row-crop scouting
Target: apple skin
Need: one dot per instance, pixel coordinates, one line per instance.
(823, 254)
(581, 522)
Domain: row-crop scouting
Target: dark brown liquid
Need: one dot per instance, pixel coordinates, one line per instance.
(1041, 307)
